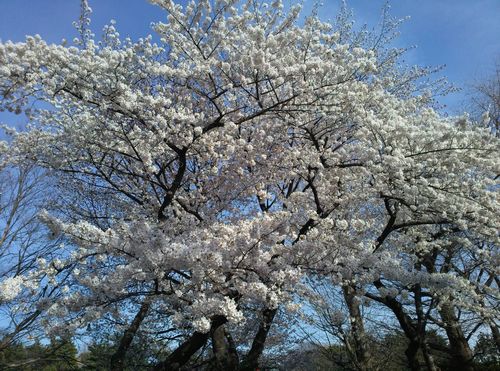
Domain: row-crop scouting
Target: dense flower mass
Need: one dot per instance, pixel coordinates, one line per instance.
(208, 174)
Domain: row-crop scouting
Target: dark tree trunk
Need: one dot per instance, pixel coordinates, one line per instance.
(118, 358)
(251, 361)
(428, 358)
(186, 350)
(461, 354)
(361, 350)
(411, 353)
(420, 328)
(495, 333)
(225, 354)
(407, 325)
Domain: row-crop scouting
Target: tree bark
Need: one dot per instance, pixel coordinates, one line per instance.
(407, 325)
(428, 358)
(118, 358)
(461, 354)
(421, 324)
(225, 354)
(411, 355)
(186, 350)
(362, 353)
(251, 361)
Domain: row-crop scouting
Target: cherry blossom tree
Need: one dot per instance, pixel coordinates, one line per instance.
(205, 175)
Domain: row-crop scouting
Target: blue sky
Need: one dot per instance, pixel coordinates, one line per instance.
(464, 35)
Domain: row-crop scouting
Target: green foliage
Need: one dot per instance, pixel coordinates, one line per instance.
(97, 357)
(58, 355)
(486, 354)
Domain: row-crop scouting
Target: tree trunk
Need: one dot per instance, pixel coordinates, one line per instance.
(225, 354)
(420, 328)
(411, 355)
(251, 361)
(362, 353)
(407, 325)
(186, 350)
(118, 358)
(461, 353)
(428, 358)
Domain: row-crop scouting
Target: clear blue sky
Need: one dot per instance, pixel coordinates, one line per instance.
(464, 35)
